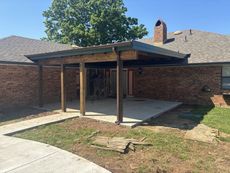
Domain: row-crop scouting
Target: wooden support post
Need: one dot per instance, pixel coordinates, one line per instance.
(40, 87)
(82, 88)
(119, 89)
(63, 89)
(130, 83)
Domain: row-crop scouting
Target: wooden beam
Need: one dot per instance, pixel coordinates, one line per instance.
(82, 88)
(40, 87)
(119, 89)
(63, 88)
(102, 57)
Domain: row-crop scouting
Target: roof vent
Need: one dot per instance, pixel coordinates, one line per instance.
(177, 32)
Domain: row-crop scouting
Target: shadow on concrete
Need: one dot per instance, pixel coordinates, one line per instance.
(18, 113)
(185, 117)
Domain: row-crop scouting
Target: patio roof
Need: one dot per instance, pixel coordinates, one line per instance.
(131, 50)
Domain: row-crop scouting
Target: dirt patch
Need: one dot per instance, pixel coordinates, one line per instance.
(97, 125)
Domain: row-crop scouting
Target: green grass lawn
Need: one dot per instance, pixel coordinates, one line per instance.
(215, 117)
(58, 136)
(218, 118)
(169, 151)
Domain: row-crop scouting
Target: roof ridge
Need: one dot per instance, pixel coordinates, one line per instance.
(18, 36)
(33, 39)
(193, 30)
(10, 36)
(203, 31)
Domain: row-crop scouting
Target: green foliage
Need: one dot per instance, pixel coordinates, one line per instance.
(90, 22)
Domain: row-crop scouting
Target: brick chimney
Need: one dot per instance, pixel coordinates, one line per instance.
(160, 32)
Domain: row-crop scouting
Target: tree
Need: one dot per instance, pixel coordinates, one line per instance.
(90, 22)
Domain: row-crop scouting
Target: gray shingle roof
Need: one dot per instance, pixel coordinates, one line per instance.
(204, 47)
(13, 48)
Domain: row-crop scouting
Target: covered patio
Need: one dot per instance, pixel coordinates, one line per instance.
(117, 56)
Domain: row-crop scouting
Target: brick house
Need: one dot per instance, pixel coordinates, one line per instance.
(203, 77)
(19, 76)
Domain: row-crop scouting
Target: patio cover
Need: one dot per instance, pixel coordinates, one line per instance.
(119, 55)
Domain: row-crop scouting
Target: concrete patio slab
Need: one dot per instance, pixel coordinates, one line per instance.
(135, 110)
(25, 156)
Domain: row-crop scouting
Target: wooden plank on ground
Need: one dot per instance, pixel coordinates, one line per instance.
(119, 144)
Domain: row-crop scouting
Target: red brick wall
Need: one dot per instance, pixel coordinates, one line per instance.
(19, 85)
(52, 84)
(180, 84)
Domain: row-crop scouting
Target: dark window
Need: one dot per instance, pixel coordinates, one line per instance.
(226, 77)
(226, 82)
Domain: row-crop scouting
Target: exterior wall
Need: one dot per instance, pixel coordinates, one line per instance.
(180, 84)
(52, 84)
(19, 85)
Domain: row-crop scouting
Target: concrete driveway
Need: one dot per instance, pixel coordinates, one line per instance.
(25, 156)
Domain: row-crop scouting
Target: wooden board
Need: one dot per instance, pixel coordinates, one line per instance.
(94, 58)
(119, 144)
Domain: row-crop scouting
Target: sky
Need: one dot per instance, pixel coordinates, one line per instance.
(24, 17)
